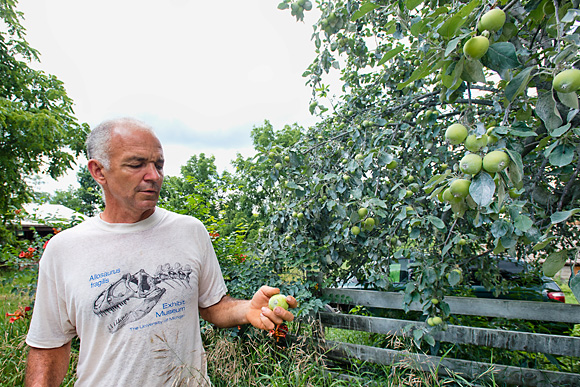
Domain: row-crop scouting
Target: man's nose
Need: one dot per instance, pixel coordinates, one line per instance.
(152, 172)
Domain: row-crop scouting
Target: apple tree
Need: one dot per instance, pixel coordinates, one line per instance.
(453, 139)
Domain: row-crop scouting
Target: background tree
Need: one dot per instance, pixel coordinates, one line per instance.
(381, 177)
(39, 133)
(87, 199)
(250, 194)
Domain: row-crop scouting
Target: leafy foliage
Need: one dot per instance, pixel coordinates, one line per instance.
(38, 130)
(381, 144)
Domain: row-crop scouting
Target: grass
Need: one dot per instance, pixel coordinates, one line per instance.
(13, 348)
(13, 358)
(570, 298)
(255, 360)
(248, 359)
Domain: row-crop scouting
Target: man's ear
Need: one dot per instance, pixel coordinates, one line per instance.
(96, 170)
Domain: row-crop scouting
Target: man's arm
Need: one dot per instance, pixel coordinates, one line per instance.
(47, 367)
(230, 312)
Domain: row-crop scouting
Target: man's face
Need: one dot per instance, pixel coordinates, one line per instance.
(135, 175)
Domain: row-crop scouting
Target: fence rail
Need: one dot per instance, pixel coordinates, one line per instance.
(471, 306)
(510, 340)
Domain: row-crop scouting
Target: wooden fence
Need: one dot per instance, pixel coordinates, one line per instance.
(510, 340)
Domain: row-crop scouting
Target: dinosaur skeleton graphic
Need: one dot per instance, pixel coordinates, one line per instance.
(140, 286)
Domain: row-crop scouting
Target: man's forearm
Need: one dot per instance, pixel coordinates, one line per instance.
(47, 367)
(229, 312)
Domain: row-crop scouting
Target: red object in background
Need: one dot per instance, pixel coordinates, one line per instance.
(557, 296)
(20, 313)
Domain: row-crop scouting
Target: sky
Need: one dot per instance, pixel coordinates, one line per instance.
(202, 73)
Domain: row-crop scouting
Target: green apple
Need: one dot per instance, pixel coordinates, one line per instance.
(474, 144)
(492, 20)
(567, 81)
(456, 134)
(362, 212)
(471, 164)
(369, 224)
(495, 161)
(476, 47)
(278, 300)
(460, 188)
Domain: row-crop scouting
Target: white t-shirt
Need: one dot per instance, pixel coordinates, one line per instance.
(131, 293)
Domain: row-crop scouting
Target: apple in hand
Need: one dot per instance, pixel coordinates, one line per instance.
(278, 300)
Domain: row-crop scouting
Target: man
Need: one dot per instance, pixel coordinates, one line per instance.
(132, 282)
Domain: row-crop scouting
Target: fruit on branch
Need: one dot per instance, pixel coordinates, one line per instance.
(460, 188)
(476, 47)
(474, 144)
(492, 20)
(456, 134)
(567, 81)
(471, 164)
(495, 161)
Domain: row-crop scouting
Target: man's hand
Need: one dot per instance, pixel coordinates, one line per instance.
(261, 316)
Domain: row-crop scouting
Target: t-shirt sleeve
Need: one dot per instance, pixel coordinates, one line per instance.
(212, 287)
(50, 326)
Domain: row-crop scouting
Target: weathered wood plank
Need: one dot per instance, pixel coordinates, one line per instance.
(511, 309)
(447, 366)
(511, 340)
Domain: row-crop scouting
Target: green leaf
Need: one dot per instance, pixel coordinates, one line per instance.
(435, 181)
(516, 169)
(562, 155)
(473, 71)
(543, 244)
(429, 339)
(423, 70)
(561, 216)
(363, 10)
(518, 84)
(523, 223)
(419, 27)
(523, 133)
(500, 57)
(417, 335)
(547, 111)
(560, 131)
(574, 285)
(569, 99)
(455, 277)
(571, 16)
(391, 54)
(500, 228)
(412, 4)
(436, 222)
(452, 45)
(450, 27)
(554, 263)
(482, 189)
